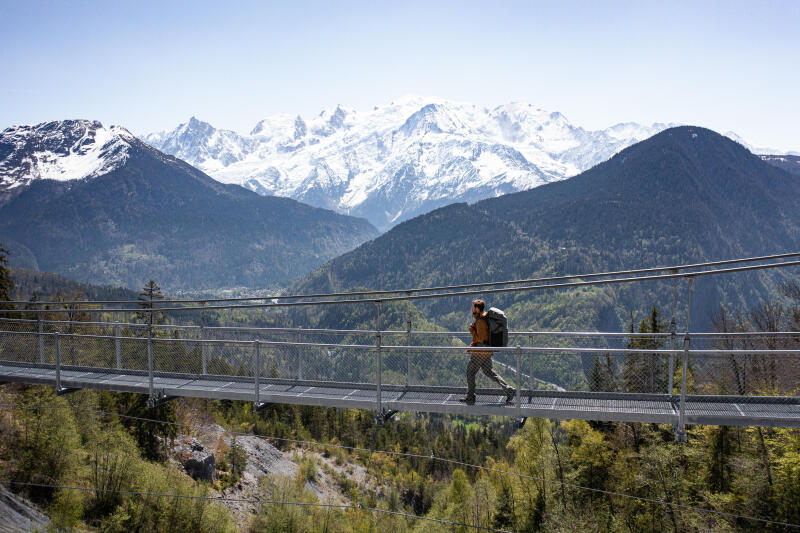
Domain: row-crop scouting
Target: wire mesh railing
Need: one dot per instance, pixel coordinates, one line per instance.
(190, 341)
(765, 364)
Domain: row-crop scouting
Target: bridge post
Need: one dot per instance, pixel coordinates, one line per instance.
(41, 338)
(203, 338)
(408, 341)
(257, 373)
(298, 339)
(672, 329)
(118, 344)
(531, 381)
(379, 365)
(58, 363)
(151, 400)
(680, 434)
(519, 382)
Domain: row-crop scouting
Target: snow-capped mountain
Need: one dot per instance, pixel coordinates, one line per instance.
(98, 204)
(399, 160)
(759, 150)
(61, 151)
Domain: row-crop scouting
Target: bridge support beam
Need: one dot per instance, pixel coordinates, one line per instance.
(518, 353)
(408, 341)
(151, 396)
(41, 338)
(59, 389)
(378, 366)
(384, 416)
(680, 431)
(672, 329)
(258, 405)
(203, 354)
(118, 344)
(159, 400)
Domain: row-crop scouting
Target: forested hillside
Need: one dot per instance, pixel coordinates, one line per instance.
(32, 284)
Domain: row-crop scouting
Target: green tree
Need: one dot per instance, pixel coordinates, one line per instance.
(150, 293)
(504, 514)
(152, 437)
(646, 372)
(6, 283)
(236, 458)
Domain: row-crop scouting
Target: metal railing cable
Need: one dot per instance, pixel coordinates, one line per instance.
(311, 331)
(431, 457)
(255, 500)
(412, 291)
(499, 349)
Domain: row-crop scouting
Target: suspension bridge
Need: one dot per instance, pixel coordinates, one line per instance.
(719, 378)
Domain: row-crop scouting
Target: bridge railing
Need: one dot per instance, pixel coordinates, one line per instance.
(750, 364)
(671, 365)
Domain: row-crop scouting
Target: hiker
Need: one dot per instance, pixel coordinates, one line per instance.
(482, 359)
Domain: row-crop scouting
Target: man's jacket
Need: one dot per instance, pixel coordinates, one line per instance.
(480, 336)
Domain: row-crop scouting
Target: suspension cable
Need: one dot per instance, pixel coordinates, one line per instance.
(408, 292)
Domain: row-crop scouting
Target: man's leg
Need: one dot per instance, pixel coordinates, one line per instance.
(491, 373)
(472, 369)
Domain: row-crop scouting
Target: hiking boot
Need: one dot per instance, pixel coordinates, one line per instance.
(510, 395)
(468, 401)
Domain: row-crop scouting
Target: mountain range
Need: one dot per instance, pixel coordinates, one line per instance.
(97, 204)
(399, 160)
(685, 195)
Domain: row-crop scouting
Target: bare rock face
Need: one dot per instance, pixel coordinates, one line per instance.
(195, 458)
(17, 514)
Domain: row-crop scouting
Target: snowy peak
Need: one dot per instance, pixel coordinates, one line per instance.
(61, 150)
(201, 144)
(760, 150)
(398, 160)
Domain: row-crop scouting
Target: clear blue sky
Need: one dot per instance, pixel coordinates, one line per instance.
(727, 65)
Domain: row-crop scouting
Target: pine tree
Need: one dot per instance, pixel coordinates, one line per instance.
(150, 292)
(504, 515)
(646, 372)
(6, 283)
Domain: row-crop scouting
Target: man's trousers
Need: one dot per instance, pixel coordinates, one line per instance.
(484, 364)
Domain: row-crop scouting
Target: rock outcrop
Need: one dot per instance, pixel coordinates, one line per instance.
(17, 514)
(195, 458)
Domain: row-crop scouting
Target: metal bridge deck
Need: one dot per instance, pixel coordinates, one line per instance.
(619, 407)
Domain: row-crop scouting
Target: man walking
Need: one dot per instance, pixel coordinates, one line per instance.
(482, 359)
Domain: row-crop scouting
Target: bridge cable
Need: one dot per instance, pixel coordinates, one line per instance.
(428, 457)
(253, 500)
(503, 290)
(434, 288)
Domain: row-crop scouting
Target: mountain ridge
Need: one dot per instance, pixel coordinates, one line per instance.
(155, 216)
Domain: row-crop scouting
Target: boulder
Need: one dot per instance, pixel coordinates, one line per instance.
(195, 458)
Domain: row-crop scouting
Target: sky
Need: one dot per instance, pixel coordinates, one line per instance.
(726, 65)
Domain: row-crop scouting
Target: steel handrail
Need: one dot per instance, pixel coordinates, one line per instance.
(319, 331)
(571, 349)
